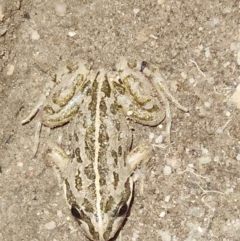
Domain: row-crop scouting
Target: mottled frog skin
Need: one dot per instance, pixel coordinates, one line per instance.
(98, 175)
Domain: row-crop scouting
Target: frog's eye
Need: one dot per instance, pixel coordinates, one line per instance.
(76, 212)
(122, 210)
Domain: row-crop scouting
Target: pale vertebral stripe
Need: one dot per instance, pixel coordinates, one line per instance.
(97, 148)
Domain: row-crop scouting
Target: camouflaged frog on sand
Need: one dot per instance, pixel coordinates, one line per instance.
(98, 176)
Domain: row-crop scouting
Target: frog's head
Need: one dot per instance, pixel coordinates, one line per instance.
(101, 217)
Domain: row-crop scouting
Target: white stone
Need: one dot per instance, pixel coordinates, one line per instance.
(59, 213)
(207, 104)
(238, 57)
(200, 230)
(20, 164)
(151, 135)
(1, 13)
(167, 170)
(159, 139)
(165, 236)
(10, 69)
(207, 52)
(130, 112)
(162, 214)
(167, 198)
(60, 8)
(184, 75)
(228, 113)
(71, 34)
(214, 21)
(191, 80)
(50, 226)
(35, 35)
(238, 156)
(235, 98)
(136, 11)
(161, 2)
(216, 159)
(204, 159)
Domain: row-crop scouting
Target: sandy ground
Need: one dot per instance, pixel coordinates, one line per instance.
(191, 193)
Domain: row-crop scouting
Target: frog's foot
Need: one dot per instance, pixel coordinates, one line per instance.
(40, 103)
(158, 82)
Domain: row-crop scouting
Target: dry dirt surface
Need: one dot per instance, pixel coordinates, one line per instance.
(191, 192)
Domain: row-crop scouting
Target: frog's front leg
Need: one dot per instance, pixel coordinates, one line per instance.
(40, 103)
(139, 156)
(57, 158)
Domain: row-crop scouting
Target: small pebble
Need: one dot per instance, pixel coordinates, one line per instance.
(20, 164)
(207, 52)
(71, 34)
(136, 11)
(238, 156)
(238, 58)
(60, 8)
(50, 226)
(225, 65)
(161, 2)
(191, 80)
(165, 236)
(135, 235)
(159, 139)
(235, 98)
(227, 10)
(217, 159)
(167, 170)
(129, 113)
(184, 75)
(204, 159)
(214, 21)
(211, 81)
(10, 69)
(167, 198)
(200, 230)
(1, 13)
(59, 213)
(151, 136)
(35, 35)
(207, 104)
(228, 113)
(45, 211)
(162, 214)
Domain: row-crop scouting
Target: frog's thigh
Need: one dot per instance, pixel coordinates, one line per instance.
(139, 103)
(58, 157)
(140, 154)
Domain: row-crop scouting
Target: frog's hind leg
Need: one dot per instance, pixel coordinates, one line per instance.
(138, 100)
